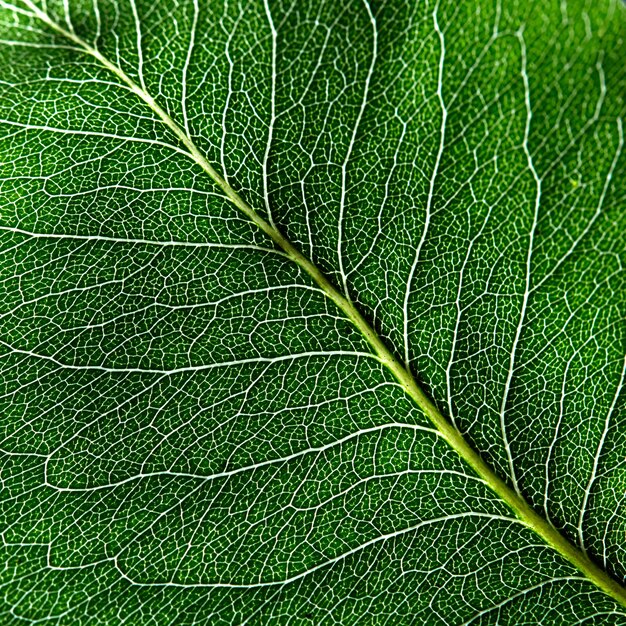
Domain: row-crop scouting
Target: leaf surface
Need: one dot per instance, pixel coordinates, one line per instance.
(198, 430)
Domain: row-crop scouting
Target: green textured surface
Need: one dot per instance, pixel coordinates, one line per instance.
(191, 431)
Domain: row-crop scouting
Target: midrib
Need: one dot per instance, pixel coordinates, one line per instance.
(522, 510)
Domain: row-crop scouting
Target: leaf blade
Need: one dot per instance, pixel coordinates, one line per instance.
(122, 349)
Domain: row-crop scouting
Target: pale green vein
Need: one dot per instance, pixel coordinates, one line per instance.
(344, 555)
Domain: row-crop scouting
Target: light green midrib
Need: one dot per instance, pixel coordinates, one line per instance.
(522, 510)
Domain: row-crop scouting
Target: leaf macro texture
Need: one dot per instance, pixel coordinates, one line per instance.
(312, 312)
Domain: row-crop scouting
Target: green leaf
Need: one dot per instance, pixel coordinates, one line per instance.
(242, 246)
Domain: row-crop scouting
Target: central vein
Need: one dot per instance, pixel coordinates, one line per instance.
(523, 511)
